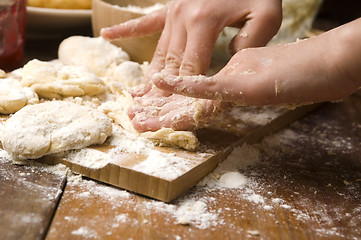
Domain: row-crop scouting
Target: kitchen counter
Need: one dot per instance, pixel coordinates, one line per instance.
(306, 184)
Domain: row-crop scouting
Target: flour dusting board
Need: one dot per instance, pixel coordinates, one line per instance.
(164, 173)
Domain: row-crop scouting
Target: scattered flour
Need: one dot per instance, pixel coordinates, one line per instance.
(226, 175)
(164, 165)
(127, 142)
(88, 157)
(195, 212)
(85, 233)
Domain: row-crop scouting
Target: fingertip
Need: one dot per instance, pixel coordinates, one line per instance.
(166, 82)
(106, 33)
(145, 124)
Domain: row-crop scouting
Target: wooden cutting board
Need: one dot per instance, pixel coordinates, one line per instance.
(216, 144)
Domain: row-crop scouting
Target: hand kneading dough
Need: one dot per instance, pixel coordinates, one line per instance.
(56, 80)
(52, 127)
(117, 110)
(96, 54)
(13, 96)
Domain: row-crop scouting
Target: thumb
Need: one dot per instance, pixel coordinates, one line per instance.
(256, 32)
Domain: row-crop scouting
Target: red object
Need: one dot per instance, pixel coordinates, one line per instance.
(12, 33)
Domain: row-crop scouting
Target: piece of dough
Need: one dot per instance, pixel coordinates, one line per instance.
(128, 74)
(52, 127)
(2, 74)
(117, 110)
(13, 96)
(56, 80)
(96, 54)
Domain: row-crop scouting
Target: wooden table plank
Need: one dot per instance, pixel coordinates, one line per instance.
(306, 186)
(28, 199)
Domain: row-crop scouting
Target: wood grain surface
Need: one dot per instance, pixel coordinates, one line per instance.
(28, 200)
(306, 186)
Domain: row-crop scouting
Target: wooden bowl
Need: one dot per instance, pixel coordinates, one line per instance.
(106, 13)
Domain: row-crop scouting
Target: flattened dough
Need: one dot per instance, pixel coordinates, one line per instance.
(56, 80)
(52, 127)
(96, 54)
(13, 96)
(117, 110)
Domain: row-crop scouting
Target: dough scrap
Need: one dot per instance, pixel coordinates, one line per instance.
(52, 127)
(13, 96)
(117, 110)
(56, 80)
(2, 74)
(128, 74)
(96, 54)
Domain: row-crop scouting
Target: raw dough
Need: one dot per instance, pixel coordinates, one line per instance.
(128, 74)
(117, 110)
(96, 54)
(2, 73)
(13, 96)
(56, 80)
(52, 127)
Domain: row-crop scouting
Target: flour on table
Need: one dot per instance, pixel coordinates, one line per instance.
(164, 165)
(52, 127)
(13, 96)
(195, 212)
(56, 80)
(226, 175)
(95, 54)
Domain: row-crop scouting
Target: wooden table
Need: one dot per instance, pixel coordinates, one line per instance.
(306, 186)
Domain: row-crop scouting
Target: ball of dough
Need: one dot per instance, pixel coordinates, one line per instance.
(13, 96)
(129, 74)
(56, 80)
(96, 54)
(52, 127)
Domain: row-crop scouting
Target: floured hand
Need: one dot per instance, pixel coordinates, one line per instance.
(323, 68)
(159, 109)
(191, 28)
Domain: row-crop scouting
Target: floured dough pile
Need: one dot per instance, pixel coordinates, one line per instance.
(96, 54)
(81, 95)
(52, 127)
(13, 96)
(104, 59)
(56, 80)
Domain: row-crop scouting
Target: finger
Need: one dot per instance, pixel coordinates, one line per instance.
(198, 52)
(216, 88)
(142, 123)
(158, 61)
(140, 90)
(244, 89)
(176, 49)
(175, 120)
(257, 31)
(146, 25)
